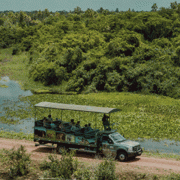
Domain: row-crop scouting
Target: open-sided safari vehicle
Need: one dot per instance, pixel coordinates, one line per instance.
(68, 135)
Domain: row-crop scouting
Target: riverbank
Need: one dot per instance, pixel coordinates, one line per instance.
(16, 67)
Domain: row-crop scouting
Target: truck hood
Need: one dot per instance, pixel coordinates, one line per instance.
(129, 143)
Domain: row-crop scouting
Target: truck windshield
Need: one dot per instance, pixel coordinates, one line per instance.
(117, 137)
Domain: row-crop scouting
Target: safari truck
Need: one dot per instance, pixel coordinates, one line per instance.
(65, 135)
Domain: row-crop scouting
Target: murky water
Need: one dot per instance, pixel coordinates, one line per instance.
(12, 93)
(163, 146)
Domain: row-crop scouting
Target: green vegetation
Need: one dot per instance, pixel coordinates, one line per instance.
(106, 170)
(63, 168)
(91, 51)
(3, 86)
(17, 164)
(14, 135)
(161, 155)
(142, 116)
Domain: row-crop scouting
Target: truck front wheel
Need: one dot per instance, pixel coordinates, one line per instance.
(122, 156)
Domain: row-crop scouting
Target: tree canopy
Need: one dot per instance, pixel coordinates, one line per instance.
(90, 51)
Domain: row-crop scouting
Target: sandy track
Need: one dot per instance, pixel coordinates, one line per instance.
(140, 164)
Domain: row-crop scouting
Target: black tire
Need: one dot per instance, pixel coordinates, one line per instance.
(61, 149)
(122, 156)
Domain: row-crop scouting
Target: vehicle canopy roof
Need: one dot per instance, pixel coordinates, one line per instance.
(74, 107)
(107, 132)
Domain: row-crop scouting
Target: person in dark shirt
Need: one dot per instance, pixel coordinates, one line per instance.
(50, 118)
(89, 128)
(72, 123)
(106, 122)
(78, 125)
(44, 121)
(84, 129)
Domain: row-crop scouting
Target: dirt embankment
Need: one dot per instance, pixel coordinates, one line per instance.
(140, 164)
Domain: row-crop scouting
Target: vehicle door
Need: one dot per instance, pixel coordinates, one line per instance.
(108, 146)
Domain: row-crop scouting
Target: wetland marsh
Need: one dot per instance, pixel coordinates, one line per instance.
(151, 119)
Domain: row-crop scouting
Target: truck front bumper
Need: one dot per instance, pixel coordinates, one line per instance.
(137, 153)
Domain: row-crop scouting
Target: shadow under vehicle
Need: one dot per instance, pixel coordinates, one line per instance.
(63, 134)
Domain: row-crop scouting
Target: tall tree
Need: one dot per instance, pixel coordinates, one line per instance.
(21, 19)
(77, 10)
(174, 5)
(117, 10)
(154, 7)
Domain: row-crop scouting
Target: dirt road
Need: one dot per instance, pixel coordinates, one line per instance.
(140, 164)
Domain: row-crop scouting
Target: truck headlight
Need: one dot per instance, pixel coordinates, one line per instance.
(130, 149)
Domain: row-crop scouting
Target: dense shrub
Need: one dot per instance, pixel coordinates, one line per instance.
(84, 173)
(145, 53)
(153, 77)
(162, 42)
(114, 82)
(18, 161)
(118, 47)
(44, 72)
(106, 170)
(63, 168)
(16, 50)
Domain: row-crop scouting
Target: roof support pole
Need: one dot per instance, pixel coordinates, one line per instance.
(95, 120)
(35, 113)
(109, 120)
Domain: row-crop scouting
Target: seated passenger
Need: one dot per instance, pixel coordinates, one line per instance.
(53, 125)
(84, 129)
(89, 128)
(72, 123)
(61, 127)
(78, 125)
(73, 128)
(49, 118)
(44, 121)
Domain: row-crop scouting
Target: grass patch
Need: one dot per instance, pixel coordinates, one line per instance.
(14, 135)
(142, 116)
(6, 120)
(3, 86)
(14, 111)
(17, 68)
(161, 155)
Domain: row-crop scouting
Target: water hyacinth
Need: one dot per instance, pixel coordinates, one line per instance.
(141, 116)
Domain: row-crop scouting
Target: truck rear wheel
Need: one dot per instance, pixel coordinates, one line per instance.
(61, 149)
(122, 156)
